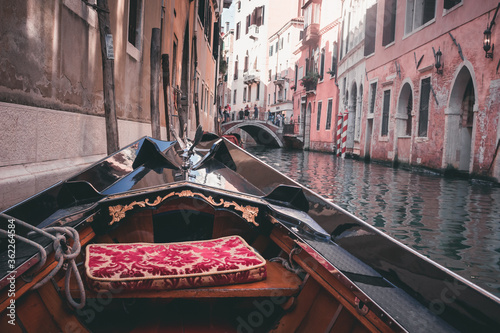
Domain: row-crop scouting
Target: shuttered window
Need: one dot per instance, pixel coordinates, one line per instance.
(329, 115)
(389, 22)
(373, 93)
(423, 110)
(370, 29)
(318, 120)
(385, 113)
(322, 65)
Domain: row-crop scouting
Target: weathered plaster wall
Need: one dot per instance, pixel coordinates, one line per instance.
(324, 139)
(440, 145)
(43, 146)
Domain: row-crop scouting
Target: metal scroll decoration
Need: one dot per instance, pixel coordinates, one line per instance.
(117, 212)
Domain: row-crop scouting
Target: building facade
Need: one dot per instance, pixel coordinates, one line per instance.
(353, 50)
(315, 96)
(254, 22)
(281, 70)
(51, 81)
(431, 98)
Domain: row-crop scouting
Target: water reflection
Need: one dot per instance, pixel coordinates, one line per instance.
(453, 221)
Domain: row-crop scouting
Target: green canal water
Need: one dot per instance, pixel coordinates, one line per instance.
(455, 222)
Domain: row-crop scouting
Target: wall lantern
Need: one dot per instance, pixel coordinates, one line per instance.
(487, 46)
(438, 63)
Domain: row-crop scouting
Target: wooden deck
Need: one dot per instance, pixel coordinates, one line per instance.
(279, 282)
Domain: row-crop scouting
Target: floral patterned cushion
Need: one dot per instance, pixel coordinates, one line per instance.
(149, 266)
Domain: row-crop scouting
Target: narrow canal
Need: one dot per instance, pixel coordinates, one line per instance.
(455, 222)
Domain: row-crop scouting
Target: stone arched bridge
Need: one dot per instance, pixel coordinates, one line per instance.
(264, 133)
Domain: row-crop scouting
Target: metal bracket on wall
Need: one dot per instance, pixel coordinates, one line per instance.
(457, 45)
(417, 64)
(434, 93)
(398, 68)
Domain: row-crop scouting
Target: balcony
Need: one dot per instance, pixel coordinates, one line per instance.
(309, 82)
(253, 31)
(279, 81)
(311, 34)
(251, 77)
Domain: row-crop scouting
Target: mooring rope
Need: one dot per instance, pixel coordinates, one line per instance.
(62, 254)
(288, 264)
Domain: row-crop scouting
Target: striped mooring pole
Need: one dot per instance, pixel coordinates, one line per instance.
(344, 133)
(339, 132)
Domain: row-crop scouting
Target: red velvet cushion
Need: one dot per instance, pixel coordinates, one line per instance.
(144, 266)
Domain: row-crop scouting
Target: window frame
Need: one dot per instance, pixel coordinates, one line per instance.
(411, 11)
(318, 116)
(386, 113)
(238, 30)
(328, 125)
(423, 117)
(373, 97)
(389, 29)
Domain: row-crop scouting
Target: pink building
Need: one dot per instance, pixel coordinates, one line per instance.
(315, 98)
(432, 92)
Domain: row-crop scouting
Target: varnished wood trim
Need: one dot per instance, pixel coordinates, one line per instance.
(279, 283)
(343, 294)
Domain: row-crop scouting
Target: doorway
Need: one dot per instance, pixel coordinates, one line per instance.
(460, 123)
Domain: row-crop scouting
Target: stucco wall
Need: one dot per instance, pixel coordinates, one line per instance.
(440, 148)
(43, 146)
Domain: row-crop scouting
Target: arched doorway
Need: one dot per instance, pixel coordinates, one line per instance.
(460, 123)
(404, 124)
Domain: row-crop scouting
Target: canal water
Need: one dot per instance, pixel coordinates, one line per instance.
(455, 222)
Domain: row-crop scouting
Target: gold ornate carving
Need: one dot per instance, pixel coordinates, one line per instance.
(249, 213)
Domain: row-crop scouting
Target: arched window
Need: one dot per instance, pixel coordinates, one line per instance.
(322, 64)
(236, 68)
(246, 63)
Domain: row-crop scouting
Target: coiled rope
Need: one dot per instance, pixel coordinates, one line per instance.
(288, 264)
(62, 253)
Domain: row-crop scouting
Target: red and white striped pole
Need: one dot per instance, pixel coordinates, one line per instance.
(339, 132)
(344, 133)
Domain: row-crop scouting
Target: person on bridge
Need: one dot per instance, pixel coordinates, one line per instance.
(247, 112)
(256, 112)
(241, 114)
(226, 114)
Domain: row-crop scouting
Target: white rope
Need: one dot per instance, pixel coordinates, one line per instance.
(62, 254)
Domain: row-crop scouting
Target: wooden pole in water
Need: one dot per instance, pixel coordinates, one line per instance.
(108, 76)
(166, 82)
(154, 89)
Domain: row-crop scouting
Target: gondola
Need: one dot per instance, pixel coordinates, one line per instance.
(201, 236)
